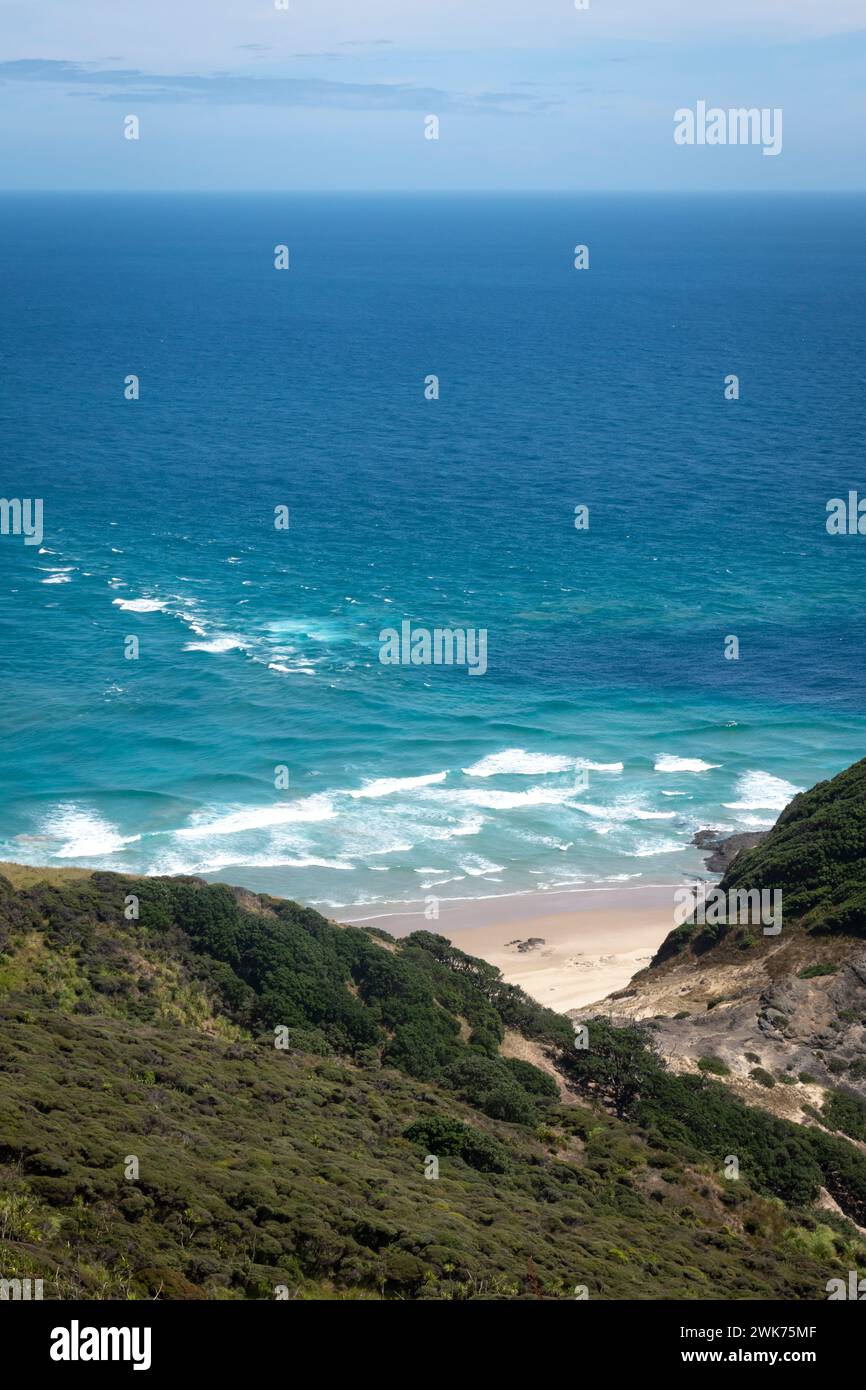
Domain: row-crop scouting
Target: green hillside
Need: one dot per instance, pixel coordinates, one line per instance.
(816, 853)
(226, 1096)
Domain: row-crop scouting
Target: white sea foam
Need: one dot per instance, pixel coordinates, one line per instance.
(56, 579)
(300, 670)
(324, 630)
(310, 808)
(491, 800)
(384, 786)
(669, 763)
(362, 840)
(622, 811)
(470, 825)
(647, 848)
(762, 791)
(475, 865)
(192, 623)
(517, 762)
(84, 834)
(269, 861)
(139, 605)
(217, 645)
(211, 862)
(549, 841)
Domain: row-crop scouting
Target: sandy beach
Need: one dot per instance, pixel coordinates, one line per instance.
(587, 943)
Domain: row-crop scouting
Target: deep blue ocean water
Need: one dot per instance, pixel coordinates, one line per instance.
(259, 647)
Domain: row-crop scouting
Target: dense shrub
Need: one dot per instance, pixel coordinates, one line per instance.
(847, 1112)
(714, 1065)
(489, 1085)
(443, 1136)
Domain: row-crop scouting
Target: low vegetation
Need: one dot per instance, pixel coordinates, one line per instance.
(209, 1094)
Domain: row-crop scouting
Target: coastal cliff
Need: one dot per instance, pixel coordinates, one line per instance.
(780, 1019)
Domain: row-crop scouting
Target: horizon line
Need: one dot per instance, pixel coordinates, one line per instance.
(444, 192)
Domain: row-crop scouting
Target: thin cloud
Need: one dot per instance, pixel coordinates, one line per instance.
(233, 89)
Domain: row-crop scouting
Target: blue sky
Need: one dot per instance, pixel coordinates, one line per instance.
(332, 94)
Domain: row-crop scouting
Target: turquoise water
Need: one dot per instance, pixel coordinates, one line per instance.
(608, 726)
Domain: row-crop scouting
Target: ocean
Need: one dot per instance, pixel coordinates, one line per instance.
(255, 735)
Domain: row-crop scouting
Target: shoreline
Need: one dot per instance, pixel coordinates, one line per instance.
(589, 942)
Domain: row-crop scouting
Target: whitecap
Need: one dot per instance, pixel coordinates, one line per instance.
(470, 826)
(85, 835)
(299, 670)
(475, 865)
(139, 605)
(217, 645)
(645, 849)
(384, 786)
(488, 799)
(516, 762)
(309, 808)
(669, 763)
(192, 624)
(762, 791)
(623, 812)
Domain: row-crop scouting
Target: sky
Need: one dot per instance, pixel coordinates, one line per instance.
(333, 95)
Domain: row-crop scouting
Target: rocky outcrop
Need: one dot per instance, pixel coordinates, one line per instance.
(723, 848)
(782, 1028)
